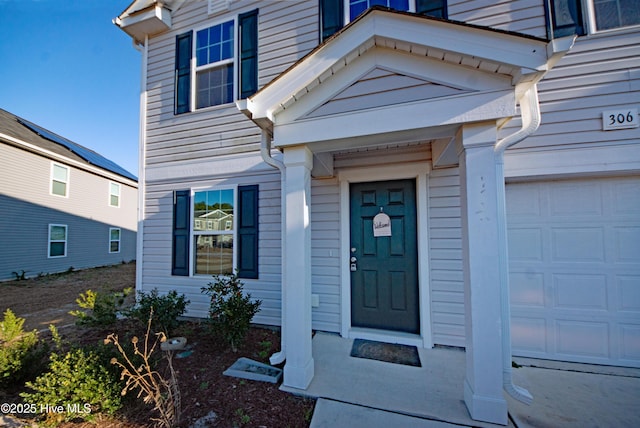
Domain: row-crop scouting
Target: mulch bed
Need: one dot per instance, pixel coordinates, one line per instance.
(203, 388)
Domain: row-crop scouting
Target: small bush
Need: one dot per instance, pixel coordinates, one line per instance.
(103, 307)
(20, 351)
(231, 310)
(165, 309)
(79, 381)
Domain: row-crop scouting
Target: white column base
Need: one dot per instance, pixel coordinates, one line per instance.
(298, 376)
(485, 409)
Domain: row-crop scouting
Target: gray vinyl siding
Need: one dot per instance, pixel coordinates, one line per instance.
(286, 31)
(325, 253)
(523, 16)
(27, 208)
(601, 72)
(157, 235)
(445, 258)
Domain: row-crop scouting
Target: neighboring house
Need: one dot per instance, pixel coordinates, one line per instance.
(315, 117)
(62, 206)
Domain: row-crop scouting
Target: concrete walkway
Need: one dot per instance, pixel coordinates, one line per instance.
(354, 392)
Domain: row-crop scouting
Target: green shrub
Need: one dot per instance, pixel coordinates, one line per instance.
(79, 384)
(20, 351)
(166, 309)
(231, 311)
(103, 307)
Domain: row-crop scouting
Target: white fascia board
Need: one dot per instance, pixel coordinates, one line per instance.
(407, 116)
(491, 45)
(519, 52)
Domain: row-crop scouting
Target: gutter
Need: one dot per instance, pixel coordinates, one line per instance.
(530, 113)
(265, 152)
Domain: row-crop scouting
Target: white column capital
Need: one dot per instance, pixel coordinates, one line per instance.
(298, 156)
(475, 135)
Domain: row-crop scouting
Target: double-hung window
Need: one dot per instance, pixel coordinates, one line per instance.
(213, 240)
(215, 232)
(214, 54)
(114, 194)
(217, 64)
(57, 240)
(114, 239)
(567, 17)
(59, 179)
(334, 14)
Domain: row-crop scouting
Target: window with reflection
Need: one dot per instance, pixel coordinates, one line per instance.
(213, 230)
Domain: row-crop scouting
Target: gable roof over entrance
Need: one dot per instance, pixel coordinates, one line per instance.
(429, 75)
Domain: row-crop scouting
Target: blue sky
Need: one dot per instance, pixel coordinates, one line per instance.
(66, 67)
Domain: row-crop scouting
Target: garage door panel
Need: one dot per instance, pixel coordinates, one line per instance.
(525, 244)
(529, 334)
(626, 198)
(574, 263)
(524, 203)
(627, 244)
(629, 342)
(582, 338)
(576, 199)
(580, 291)
(578, 244)
(527, 289)
(628, 293)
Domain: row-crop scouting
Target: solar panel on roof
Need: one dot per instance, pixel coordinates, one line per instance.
(85, 153)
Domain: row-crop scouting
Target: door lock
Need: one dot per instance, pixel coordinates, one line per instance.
(353, 267)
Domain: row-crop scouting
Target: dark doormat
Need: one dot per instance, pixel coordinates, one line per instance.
(389, 352)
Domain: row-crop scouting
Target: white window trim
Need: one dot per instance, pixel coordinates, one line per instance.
(119, 194)
(589, 11)
(52, 179)
(119, 240)
(195, 68)
(347, 14)
(193, 233)
(49, 241)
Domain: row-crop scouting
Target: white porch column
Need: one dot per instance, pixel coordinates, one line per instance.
(299, 368)
(480, 243)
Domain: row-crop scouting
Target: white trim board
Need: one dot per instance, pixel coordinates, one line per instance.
(420, 172)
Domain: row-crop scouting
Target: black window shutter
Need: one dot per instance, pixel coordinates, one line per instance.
(180, 249)
(183, 73)
(248, 49)
(437, 8)
(247, 224)
(565, 18)
(331, 18)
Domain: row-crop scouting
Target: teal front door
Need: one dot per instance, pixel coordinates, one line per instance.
(383, 262)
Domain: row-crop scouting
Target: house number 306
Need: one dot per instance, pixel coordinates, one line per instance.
(619, 119)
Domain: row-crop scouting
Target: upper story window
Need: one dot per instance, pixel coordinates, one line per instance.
(220, 66)
(114, 194)
(569, 17)
(335, 14)
(59, 179)
(214, 65)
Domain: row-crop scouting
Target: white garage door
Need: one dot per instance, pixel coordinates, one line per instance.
(574, 262)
